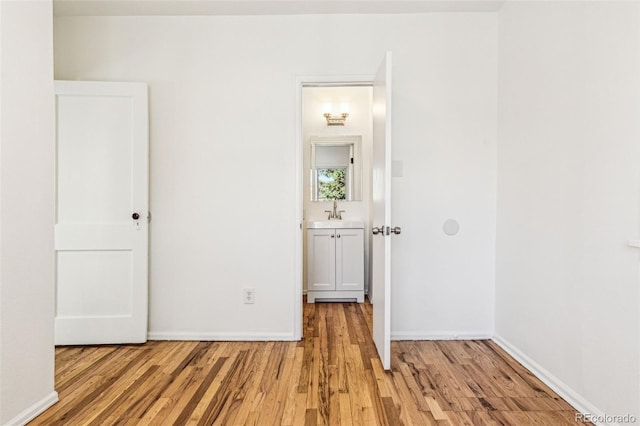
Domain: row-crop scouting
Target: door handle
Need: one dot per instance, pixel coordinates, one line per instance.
(385, 230)
(135, 216)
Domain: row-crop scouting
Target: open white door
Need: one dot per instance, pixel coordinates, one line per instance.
(101, 231)
(381, 241)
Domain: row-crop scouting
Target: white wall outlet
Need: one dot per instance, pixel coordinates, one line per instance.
(249, 295)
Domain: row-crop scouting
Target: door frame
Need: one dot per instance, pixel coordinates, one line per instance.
(309, 81)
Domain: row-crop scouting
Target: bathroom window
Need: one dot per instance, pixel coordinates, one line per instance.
(331, 184)
(335, 169)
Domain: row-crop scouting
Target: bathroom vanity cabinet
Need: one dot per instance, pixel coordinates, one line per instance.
(335, 261)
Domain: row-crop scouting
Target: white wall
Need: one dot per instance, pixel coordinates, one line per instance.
(27, 209)
(569, 196)
(223, 189)
(358, 123)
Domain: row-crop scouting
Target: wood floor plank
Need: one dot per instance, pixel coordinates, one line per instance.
(311, 418)
(331, 377)
(201, 358)
(409, 413)
(115, 411)
(390, 411)
(274, 383)
(300, 410)
(197, 397)
(250, 393)
(226, 398)
(166, 359)
(89, 400)
(75, 367)
(164, 405)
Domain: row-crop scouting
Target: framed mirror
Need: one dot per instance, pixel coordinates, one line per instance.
(336, 168)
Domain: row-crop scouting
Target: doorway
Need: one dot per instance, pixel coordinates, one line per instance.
(314, 97)
(336, 187)
(380, 109)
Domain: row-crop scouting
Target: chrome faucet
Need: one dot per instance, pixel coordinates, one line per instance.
(335, 214)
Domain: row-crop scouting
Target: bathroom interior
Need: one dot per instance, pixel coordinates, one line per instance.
(337, 141)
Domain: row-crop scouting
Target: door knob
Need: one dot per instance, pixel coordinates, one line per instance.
(135, 216)
(375, 230)
(396, 230)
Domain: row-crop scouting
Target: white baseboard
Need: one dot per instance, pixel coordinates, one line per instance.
(439, 335)
(572, 397)
(220, 337)
(34, 411)
(366, 292)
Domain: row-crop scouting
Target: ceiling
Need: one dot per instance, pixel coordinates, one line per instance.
(264, 7)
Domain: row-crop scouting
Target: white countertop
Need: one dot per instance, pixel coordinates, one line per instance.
(330, 224)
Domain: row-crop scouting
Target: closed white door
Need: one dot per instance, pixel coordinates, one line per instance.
(101, 231)
(381, 240)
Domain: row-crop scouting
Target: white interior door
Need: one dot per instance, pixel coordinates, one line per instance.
(101, 231)
(381, 241)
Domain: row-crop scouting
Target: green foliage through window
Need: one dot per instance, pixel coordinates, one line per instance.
(332, 184)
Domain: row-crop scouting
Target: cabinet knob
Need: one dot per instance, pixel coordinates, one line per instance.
(375, 230)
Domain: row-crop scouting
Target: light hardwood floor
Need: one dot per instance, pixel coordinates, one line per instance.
(332, 377)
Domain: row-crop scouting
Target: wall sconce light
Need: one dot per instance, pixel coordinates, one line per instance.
(336, 119)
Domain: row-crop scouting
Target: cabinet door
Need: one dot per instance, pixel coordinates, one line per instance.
(349, 259)
(321, 263)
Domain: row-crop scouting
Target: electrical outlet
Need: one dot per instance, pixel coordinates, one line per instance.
(249, 295)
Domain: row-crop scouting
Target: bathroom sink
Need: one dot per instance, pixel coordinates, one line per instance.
(324, 224)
